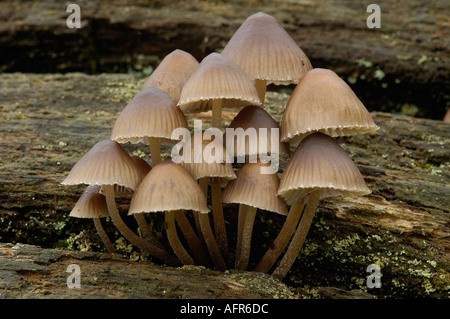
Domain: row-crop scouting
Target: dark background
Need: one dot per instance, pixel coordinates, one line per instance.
(401, 67)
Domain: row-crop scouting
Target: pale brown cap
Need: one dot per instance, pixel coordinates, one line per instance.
(150, 113)
(446, 118)
(320, 163)
(203, 163)
(141, 165)
(265, 51)
(168, 186)
(91, 204)
(172, 73)
(255, 117)
(217, 77)
(255, 189)
(106, 163)
(323, 102)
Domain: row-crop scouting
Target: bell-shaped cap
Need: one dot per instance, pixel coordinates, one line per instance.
(168, 186)
(150, 113)
(446, 118)
(323, 102)
(172, 73)
(208, 158)
(256, 189)
(106, 163)
(265, 51)
(320, 163)
(217, 77)
(141, 165)
(254, 117)
(91, 204)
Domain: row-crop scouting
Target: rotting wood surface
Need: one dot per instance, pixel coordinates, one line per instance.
(32, 272)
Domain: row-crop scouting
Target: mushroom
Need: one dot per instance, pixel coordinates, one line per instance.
(217, 82)
(323, 102)
(252, 189)
(92, 205)
(319, 168)
(107, 164)
(151, 115)
(141, 165)
(169, 188)
(446, 118)
(266, 52)
(172, 73)
(144, 167)
(215, 169)
(255, 117)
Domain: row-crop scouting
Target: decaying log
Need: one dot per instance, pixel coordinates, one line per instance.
(49, 121)
(32, 272)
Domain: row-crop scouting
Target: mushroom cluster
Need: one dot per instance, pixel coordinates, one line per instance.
(200, 176)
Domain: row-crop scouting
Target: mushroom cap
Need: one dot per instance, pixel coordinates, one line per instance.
(320, 163)
(217, 77)
(323, 102)
(446, 118)
(172, 73)
(106, 163)
(255, 189)
(255, 117)
(91, 204)
(150, 113)
(168, 186)
(199, 166)
(141, 164)
(265, 51)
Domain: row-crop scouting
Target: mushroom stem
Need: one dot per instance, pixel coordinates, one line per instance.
(200, 255)
(218, 219)
(146, 232)
(103, 236)
(217, 113)
(243, 249)
(211, 243)
(299, 237)
(174, 241)
(108, 191)
(155, 150)
(272, 254)
(203, 182)
(261, 86)
(241, 219)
